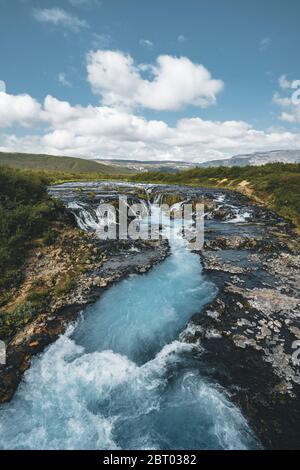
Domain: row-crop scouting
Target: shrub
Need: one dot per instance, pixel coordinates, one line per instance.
(10, 322)
(26, 211)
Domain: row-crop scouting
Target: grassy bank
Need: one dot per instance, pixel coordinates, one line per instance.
(26, 212)
(42, 254)
(59, 177)
(277, 185)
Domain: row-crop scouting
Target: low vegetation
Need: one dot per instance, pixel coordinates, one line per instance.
(42, 254)
(26, 212)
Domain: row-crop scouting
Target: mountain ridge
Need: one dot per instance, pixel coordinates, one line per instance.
(118, 166)
(256, 158)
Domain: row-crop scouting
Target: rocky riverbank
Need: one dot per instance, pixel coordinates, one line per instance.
(250, 333)
(249, 336)
(59, 280)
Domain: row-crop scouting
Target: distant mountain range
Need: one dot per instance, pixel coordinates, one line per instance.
(257, 158)
(123, 167)
(138, 166)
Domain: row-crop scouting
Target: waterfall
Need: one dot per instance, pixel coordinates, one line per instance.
(90, 218)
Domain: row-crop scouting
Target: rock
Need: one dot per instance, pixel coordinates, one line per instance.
(221, 214)
(250, 350)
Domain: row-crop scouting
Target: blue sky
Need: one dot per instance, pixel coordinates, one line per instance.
(248, 49)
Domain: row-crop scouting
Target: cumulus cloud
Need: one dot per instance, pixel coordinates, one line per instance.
(110, 130)
(59, 17)
(288, 99)
(56, 111)
(18, 109)
(173, 83)
(103, 131)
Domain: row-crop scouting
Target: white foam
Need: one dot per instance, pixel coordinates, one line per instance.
(240, 217)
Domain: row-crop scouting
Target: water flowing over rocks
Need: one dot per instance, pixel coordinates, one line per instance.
(243, 340)
(247, 333)
(123, 377)
(74, 271)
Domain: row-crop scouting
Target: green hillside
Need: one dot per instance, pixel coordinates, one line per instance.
(58, 164)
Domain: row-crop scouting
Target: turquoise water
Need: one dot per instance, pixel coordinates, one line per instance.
(123, 377)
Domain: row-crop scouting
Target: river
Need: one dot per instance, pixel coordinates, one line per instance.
(123, 377)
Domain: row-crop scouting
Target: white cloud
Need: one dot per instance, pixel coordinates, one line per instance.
(59, 140)
(174, 82)
(264, 44)
(181, 38)
(63, 80)
(103, 131)
(283, 101)
(56, 112)
(2, 86)
(18, 109)
(146, 43)
(109, 130)
(284, 83)
(114, 76)
(60, 17)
